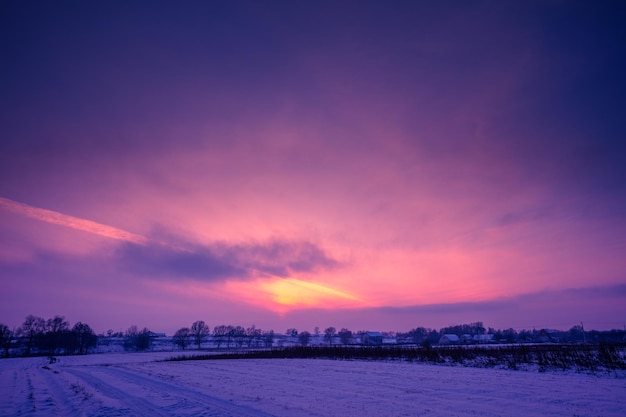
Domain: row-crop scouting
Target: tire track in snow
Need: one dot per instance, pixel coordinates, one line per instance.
(61, 400)
(182, 400)
(17, 392)
(131, 405)
(222, 407)
(9, 389)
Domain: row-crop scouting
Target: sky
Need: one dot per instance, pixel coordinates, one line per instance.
(362, 164)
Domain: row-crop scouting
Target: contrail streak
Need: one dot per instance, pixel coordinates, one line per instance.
(77, 223)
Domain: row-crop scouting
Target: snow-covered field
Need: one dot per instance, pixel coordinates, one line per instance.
(135, 385)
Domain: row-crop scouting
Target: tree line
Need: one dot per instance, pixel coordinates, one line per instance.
(53, 336)
(251, 337)
(576, 334)
(235, 336)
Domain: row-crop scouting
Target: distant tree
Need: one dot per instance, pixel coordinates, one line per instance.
(82, 338)
(304, 338)
(6, 338)
(345, 336)
(230, 334)
(525, 336)
(576, 333)
(359, 335)
(219, 333)
(136, 339)
(472, 329)
(291, 332)
(433, 337)
(268, 338)
(55, 329)
(199, 331)
(253, 336)
(181, 337)
(130, 337)
(509, 335)
(239, 335)
(316, 330)
(497, 334)
(32, 330)
(329, 333)
(418, 335)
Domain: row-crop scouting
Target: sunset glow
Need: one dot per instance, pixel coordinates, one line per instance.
(363, 165)
(293, 293)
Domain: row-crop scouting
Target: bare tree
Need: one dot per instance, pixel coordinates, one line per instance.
(199, 331)
(291, 332)
(253, 336)
(32, 329)
(83, 337)
(239, 334)
(219, 332)
(268, 338)
(130, 337)
(230, 334)
(304, 338)
(418, 335)
(345, 336)
(137, 339)
(181, 337)
(6, 338)
(329, 333)
(55, 327)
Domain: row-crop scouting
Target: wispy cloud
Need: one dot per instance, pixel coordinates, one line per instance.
(77, 223)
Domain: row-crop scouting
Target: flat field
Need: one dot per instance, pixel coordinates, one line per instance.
(137, 385)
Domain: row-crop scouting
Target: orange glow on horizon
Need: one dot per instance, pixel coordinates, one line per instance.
(284, 294)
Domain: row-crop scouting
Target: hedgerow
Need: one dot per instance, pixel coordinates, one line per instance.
(579, 357)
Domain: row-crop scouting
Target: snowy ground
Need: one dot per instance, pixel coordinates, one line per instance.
(135, 385)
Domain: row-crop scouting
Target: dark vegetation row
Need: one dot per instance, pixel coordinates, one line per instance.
(579, 357)
(55, 336)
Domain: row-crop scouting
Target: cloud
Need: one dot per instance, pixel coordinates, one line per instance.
(163, 261)
(599, 307)
(528, 215)
(77, 223)
(541, 297)
(221, 261)
(279, 257)
(167, 256)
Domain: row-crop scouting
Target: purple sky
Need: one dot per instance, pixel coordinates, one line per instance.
(370, 165)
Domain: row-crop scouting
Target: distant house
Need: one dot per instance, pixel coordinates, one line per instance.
(484, 338)
(449, 339)
(390, 340)
(372, 339)
(547, 336)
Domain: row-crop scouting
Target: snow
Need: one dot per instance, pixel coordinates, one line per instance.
(130, 384)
